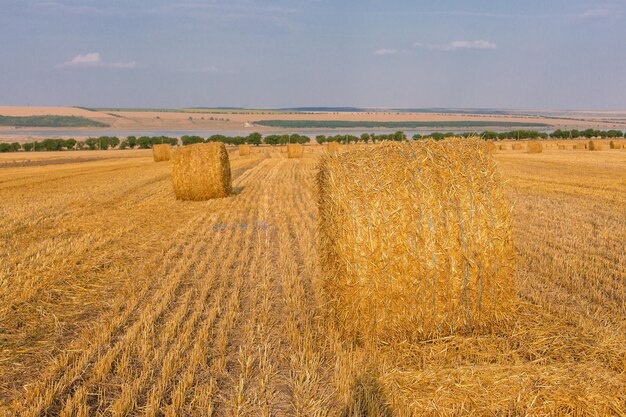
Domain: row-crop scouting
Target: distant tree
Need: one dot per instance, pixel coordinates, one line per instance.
(254, 138)
(417, 136)
(365, 137)
(132, 142)
(69, 144)
(28, 146)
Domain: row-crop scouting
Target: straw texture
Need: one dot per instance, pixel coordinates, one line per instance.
(295, 150)
(534, 147)
(161, 152)
(201, 172)
(415, 240)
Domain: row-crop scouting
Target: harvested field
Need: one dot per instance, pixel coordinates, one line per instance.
(118, 299)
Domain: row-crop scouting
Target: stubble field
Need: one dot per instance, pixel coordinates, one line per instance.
(116, 299)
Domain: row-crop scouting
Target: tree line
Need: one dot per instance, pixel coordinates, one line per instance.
(146, 142)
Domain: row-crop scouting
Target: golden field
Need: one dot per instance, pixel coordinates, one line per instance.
(118, 299)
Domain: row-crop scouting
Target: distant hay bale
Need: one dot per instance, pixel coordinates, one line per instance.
(562, 147)
(502, 147)
(615, 145)
(295, 150)
(595, 145)
(579, 146)
(492, 147)
(333, 147)
(415, 240)
(244, 150)
(161, 152)
(517, 147)
(534, 147)
(201, 172)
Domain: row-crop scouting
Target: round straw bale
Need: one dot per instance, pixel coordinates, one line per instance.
(161, 152)
(534, 147)
(595, 145)
(615, 144)
(333, 147)
(244, 150)
(201, 172)
(295, 150)
(517, 146)
(502, 147)
(415, 240)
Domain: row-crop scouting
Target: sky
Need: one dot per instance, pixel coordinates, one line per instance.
(525, 54)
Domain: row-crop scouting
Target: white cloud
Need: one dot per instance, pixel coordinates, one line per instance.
(385, 51)
(596, 13)
(94, 59)
(457, 45)
(91, 59)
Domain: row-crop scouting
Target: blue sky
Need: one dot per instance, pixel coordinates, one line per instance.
(550, 54)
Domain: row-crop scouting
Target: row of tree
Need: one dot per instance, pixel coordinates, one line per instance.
(146, 142)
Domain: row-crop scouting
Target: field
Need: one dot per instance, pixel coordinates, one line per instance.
(117, 299)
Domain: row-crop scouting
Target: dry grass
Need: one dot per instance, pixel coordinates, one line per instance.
(415, 240)
(118, 299)
(333, 147)
(161, 152)
(201, 172)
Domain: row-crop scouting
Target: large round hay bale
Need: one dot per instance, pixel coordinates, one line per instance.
(295, 150)
(615, 144)
(595, 145)
(333, 147)
(201, 172)
(244, 150)
(517, 147)
(161, 152)
(415, 240)
(534, 147)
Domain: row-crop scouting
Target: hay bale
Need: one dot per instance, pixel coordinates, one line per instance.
(517, 146)
(579, 146)
(534, 147)
(333, 147)
(244, 150)
(502, 147)
(562, 147)
(415, 240)
(295, 150)
(595, 145)
(201, 172)
(161, 152)
(492, 147)
(615, 144)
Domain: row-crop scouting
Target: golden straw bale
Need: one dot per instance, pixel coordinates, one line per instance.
(595, 145)
(333, 147)
(161, 152)
(295, 150)
(615, 144)
(562, 147)
(517, 146)
(415, 240)
(534, 147)
(201, 172)
(502, 147)
(244, 150)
